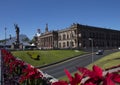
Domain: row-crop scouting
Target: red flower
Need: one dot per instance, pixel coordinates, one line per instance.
(85, 71)
(68, 75)
(16, 63)
(60, 83)
(73, 80)
(8, 57)
(116, 77)
(97, 71)
(111, 78)
(22, 78)
(107, 80)
(76, 79)
(90, 83)
(95, 76)
(31, 73)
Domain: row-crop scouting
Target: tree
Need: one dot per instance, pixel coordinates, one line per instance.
(26, 39)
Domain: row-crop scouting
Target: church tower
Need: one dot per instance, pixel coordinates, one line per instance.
(46, 29)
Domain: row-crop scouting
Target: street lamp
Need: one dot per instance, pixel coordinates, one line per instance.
(92, 48)
(71, 36)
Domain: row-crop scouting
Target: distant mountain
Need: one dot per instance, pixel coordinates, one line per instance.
(22, 38)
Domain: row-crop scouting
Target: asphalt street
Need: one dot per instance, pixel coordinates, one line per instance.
(57, 70)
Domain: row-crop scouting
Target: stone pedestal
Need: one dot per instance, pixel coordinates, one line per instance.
(17, 46)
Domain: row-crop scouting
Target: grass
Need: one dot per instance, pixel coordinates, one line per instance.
(50, 56)
(105, 62)
(46, 56)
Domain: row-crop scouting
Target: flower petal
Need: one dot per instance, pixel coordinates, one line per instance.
(68, 74)
(98, 71)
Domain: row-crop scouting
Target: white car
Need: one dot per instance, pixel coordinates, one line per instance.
(99, 52)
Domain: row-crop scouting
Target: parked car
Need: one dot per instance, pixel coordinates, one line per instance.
(99, 52)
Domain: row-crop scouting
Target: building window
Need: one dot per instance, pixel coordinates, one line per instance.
(63, 44)
(59, 45)
(67, 44)
(59, 38)
(84, 35)
(75, 31)
(64, 36)
(67, 36)
(83, 43)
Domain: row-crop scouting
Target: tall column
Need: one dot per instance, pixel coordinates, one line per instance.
(17, 35)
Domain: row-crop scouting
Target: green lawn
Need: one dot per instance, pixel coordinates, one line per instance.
(50, 56)
(107, 61)
(46, 56)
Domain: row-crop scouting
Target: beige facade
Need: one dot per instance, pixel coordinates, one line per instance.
(48, 40)
(67, 38)
(80, 36)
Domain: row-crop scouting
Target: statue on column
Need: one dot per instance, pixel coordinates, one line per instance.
(17, 34)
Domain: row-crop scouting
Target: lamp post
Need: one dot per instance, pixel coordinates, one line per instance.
(92, 48)
(71, 36)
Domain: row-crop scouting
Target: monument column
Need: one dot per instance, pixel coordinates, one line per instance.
(17, 36)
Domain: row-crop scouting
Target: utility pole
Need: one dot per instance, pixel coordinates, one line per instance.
(92, 48)
(71, 36)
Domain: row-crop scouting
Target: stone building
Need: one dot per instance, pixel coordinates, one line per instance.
(48, 40)
(79, 36)
(67, 38)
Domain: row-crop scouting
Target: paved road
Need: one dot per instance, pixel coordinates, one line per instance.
(84, 60)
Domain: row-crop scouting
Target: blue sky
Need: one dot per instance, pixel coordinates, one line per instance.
(59, 14)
